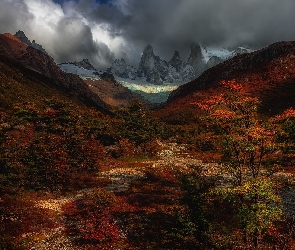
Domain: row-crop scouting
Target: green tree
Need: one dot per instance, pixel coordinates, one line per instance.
(136, 126)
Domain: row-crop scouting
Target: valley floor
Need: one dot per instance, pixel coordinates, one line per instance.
(133, 206)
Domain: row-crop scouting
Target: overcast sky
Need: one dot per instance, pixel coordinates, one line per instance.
(108, 29)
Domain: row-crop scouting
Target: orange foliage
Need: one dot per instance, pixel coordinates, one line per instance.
(289, 113)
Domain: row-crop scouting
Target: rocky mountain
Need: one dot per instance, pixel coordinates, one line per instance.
(103, 84)
(157, 71)
(121, 69)
(85, 64)
(22, 36)
(153, 69)
(196, 59)
(14, 50)
(268, 74)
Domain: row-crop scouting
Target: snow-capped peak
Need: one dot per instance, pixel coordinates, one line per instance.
(222, 53)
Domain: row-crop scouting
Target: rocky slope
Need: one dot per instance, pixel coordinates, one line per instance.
(21, 35)
(103, 84)
(268, 73)
(17, 52)
(112, 92)
(121, 69)
(85, 64)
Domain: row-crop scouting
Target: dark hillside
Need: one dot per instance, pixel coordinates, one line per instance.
(27, 63)
(268, 73)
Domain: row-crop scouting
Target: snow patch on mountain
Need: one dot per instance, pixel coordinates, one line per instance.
(222, 53)
(121, 69)
(83, 73)
(209, 52)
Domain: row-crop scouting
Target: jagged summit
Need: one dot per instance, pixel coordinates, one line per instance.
(176, 61)
(85, 64)
(22, 36)
(148, 49)
(153, 69)
(157, 71)
(196, 59)
(121, 69)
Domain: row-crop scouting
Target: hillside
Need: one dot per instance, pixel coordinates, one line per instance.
(75, 176)
(103, 84)
(36, 65)
(268, 73)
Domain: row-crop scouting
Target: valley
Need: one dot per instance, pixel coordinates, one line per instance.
(88, 161)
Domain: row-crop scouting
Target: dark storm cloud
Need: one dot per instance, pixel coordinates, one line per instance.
(103, 30)
(174, 24)
(74, 41)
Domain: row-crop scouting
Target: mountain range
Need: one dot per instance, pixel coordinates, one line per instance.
(155, 78)
(268, 73)
(157, 71)
(33, 63)
(79, 154)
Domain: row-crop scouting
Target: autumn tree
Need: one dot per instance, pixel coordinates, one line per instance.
(285, 123)
(245, 141)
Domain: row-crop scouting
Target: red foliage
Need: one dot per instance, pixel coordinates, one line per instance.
(101, 228)
(50, 112)
(287, 114)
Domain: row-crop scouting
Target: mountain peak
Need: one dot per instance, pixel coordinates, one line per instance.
(176, 61)
(196, 59)
(22, 36)
(85, 64)
(148, 49)
(121, 69)
(176, 53)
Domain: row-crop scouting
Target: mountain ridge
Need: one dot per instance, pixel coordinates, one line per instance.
(268, 74)
(33, 59)
(158, 71)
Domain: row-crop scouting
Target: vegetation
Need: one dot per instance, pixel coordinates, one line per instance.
(56, 146)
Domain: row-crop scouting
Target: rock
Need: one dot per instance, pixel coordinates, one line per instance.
(152, 67)
(85, 64)
(22, 36)
(176, 61)
(213, 61)
(196, 59)
(157, 71)
(121, 69)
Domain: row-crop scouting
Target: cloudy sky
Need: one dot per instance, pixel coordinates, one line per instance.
(103, 30)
